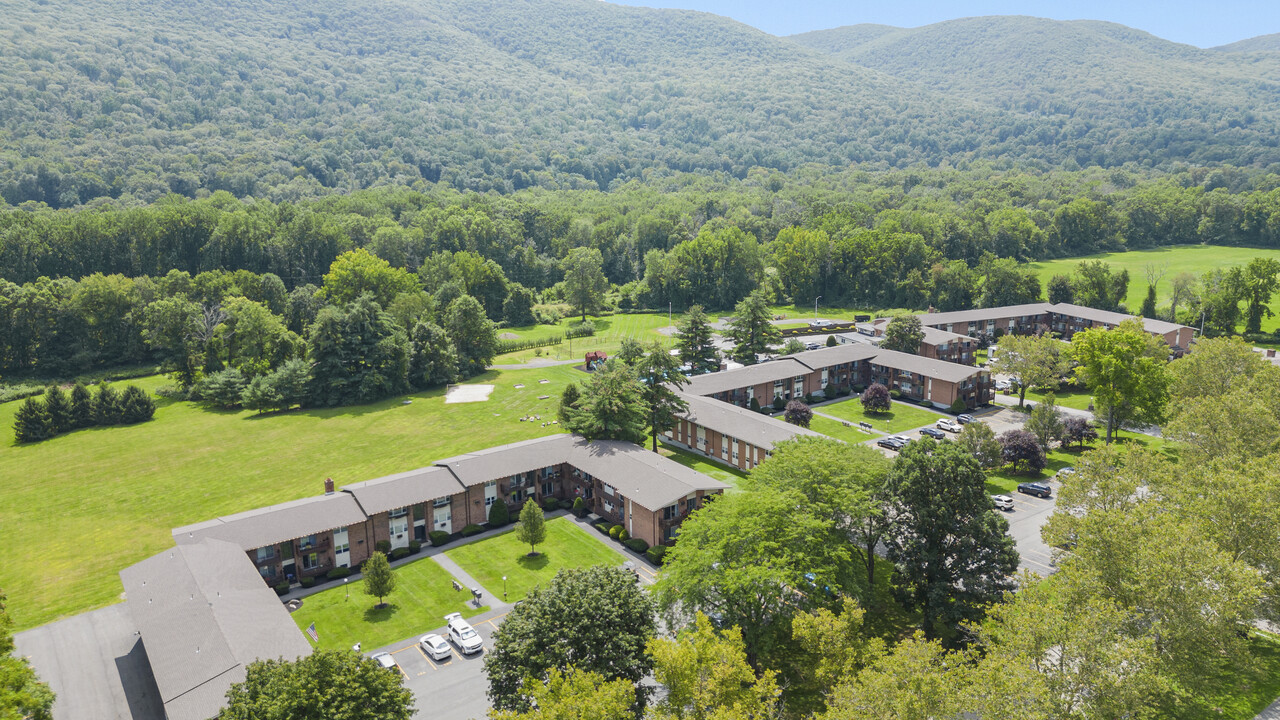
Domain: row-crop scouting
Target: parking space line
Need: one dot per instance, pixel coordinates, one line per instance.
(427, 658)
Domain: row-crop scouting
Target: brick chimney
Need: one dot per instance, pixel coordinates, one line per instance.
(1271, 353)
(328, 486)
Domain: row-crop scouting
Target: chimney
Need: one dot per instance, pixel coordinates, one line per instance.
(1271, 353)
(328, 486)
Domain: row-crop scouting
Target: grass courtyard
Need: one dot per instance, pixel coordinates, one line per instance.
(82, 506)
(724, 473)
(566, 546)
(900, 417)
(610, 332)
(424, 594)
(1005, 481)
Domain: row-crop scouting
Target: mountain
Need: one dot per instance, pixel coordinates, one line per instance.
(1106, 82)
(1262, 43)
(133, 99)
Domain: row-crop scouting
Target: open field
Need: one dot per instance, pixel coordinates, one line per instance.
(610, 332)
(724, 473)
(424, 594)
(567, 546)
(1196, 259)
(80, 507)
(901, 417)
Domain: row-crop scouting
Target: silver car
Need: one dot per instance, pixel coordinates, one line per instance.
(386, 661)
(1003, 502)
(434, 647)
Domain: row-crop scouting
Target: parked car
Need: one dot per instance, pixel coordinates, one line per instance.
(462, 635)
(933, 432)
(965, 419)
(812, 346)
(1003, 384)
(949, 425)
(1003, 502)
(434, 646)
(901, 438)
(386, 661)
(1064, 472)
(1038, 489)
(891, 443)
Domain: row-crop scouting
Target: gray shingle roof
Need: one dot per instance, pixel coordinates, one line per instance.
(493, 463)
(765, 372)
(928, 367)
(1151, 325)
(404, 489)
(836, 355)
(204, 614)
(984, 314)
(277, 523)
(647, 478)
(934, 336)
(759, 430)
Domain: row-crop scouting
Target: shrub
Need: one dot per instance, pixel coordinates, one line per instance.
(440, 537)
(136, 405)
(338, 573)
(637, 545)
(656, 554)
(755, 405)
(615, 530)
(779, 403)
(223, 389)
(399, 553)
(896, 394)
(106, 406)
(282, 588)
(831, 341)
(876, 398)
(623, 535)
(307, 582)
(382, 546)
(550, 504)
(472, 529)
(603, 527)
(31, 423)
(584, 329)
(415, 547)
(958, 407)
(579, 506)
(498, 514)
(808, 398)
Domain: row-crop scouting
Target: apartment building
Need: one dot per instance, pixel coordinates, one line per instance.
(936, 344)
(1063, 318)
(730, 434)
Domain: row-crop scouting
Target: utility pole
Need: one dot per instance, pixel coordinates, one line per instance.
(668, 313)
(815, 309)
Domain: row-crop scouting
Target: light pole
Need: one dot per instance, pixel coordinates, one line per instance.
(504, 588)
(348, 587)
(815, 309)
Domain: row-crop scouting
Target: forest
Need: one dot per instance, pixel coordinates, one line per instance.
(290, 100)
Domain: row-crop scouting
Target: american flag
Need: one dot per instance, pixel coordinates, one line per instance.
(311, 630)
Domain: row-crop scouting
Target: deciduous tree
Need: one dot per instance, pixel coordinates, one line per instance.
(707, 677)
(574, 695)
(904, 334)
(359, 271)
(472, 334)
(22, 695)
(1036, 361)
(532, 527)
(979, 440)
(379, 581)
(797, 413)
(433, 359)
(325, 685)
(1045, 422)
(876, 398)
(1125, 369)
(1021, 446)
(584, 279)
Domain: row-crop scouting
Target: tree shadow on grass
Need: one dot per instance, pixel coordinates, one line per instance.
(537, 562)
(383, 613)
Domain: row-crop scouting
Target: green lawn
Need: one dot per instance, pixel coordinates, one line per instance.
(833, 428)
(610, 331)
(1080, 399)
(1005, 481)
(80, 507)
(1238, 689)
(899, 418)
(724, 473)
(424, 594)
(1197, 259)
(567, 546)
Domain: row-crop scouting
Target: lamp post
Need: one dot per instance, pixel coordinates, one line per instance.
(815, 309)
(504, 588)
(348, 587)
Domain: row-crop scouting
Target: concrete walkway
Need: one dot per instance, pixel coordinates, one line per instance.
(469, 582)
(1012, 402)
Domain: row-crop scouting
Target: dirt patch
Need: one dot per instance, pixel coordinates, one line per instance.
(508, 336)
(467, 393)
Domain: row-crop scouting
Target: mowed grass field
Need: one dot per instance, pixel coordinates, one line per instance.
(80, 507)
(610, 332)
(1195, 259)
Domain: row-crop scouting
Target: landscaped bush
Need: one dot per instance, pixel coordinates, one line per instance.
(958, 407)
(754, 405)
(637, 545)
(282, 588)
(414, 546)
(470, 530)
(339, 573)
(656, 554)
(550, 504)
(623, 535)
(579, 507)
(307, 582)
(896, 394)
(603, 527)
(779, 403)
(440, 537)
(399, 553)
(382, 546)
(498, 514)
(615, 530)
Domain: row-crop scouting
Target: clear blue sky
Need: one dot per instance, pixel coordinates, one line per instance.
(1202, 23)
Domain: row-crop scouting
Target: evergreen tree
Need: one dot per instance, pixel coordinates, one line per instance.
(1149, 303)
(136, 405)
(612, 406)
(695, 342)
(752, 329)
(31, 422)
(289, 383)
(831, 341)
(433, 359)
(660, 372)
(379, 581)
(472, 333)
(81, 407)
(223, 389)
(499, 513)
(261, 395)
(631, 351)
(58, 405)
(952, 551)
(106, 406)
(569, 400)
(326, 351)
(532, 527)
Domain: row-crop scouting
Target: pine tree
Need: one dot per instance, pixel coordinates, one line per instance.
(379, 581)
(660, 372)
(569, 400)
(752, 329)
(58, 405)
(31, 423)
(612, 406)
(532, 528)
(106, 406)
(695, 342)
(261, 395)
(289, 381)
(499, 515)
(136, 405)
(81, 407)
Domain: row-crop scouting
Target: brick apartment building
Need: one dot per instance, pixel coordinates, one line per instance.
(936, 344)
(731, 434)
(1063, 318)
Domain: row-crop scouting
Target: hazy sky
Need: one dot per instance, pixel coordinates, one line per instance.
(1199, 23)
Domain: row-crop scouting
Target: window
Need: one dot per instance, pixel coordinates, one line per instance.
(608, 489)
(310, 561)
(548, 488)
(267, 571)
(608, 506)
(266, 553)
(440, 502)
(344, 547)
(398, 512)
(306, 543)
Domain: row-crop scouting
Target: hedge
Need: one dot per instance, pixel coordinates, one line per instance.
(440, 537)
(307, 582)
(470, 530)
(656, 554)
(508, 346)
(400, 553)
(637, 544)
(338, 573)
(415, 546)
(585, 329)
(282, 588)
(550, 504)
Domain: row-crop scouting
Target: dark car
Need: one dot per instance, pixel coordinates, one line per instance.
(934, 433)
(1035, 488)
(892, 443)
(965, 419)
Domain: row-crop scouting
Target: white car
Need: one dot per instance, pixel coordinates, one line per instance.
(463, 635)
(949, 425)
(1002, 502)
(386, 661)
(901, 438)
(434, 646)
(1003, 385)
